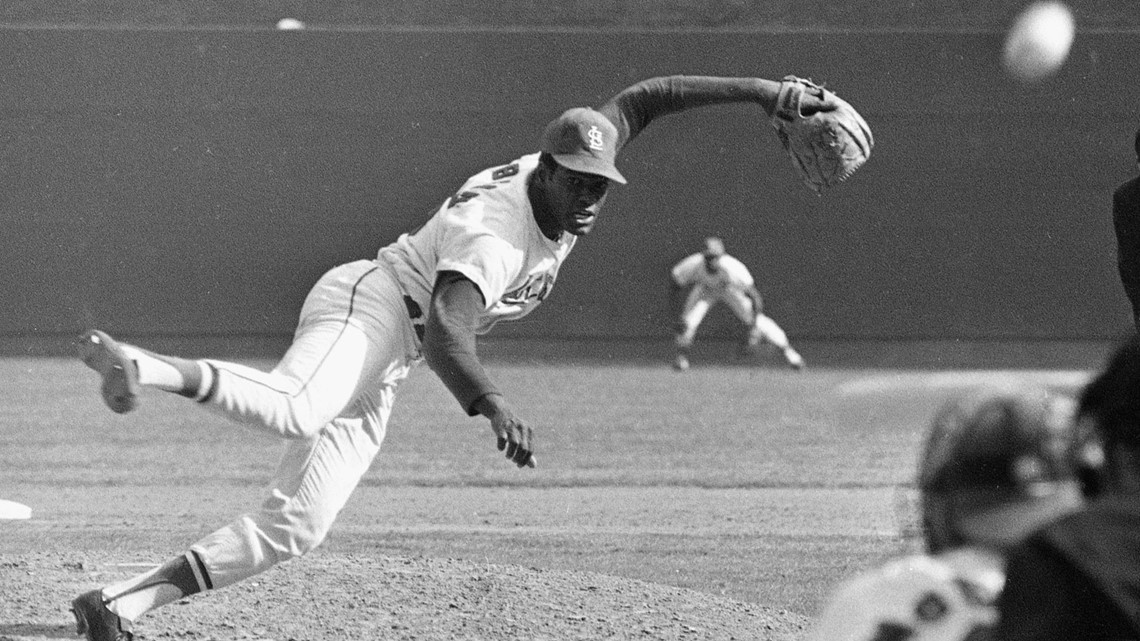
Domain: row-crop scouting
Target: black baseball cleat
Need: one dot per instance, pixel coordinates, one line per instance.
(120, 387)
(94, 621)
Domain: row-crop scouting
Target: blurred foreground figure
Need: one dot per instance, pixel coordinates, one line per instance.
(1079, 578)
(997, 464)
(1126, 225)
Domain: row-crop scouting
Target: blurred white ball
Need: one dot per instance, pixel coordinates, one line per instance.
(290, 24)
(1039, 40)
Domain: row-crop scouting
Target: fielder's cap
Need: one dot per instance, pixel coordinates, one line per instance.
(713, 246)
(583, 140)
(1001, 460)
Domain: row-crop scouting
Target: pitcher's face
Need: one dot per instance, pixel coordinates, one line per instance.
(575, 199)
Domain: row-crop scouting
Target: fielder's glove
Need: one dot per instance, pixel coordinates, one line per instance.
(824, 135)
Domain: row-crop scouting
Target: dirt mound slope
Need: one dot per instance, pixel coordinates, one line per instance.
(328, 596)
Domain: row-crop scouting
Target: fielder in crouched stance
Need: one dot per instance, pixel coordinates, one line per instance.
(491, 252)
(713, 276)
(998, 464)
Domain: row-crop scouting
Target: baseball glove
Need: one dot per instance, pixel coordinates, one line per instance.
(825, 137)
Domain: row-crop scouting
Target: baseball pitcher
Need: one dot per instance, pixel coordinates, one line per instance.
(491, 252)
(997, 465)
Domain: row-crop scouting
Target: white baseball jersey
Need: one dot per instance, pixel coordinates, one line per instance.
(332, 393)
(730, 274)
(947, 597)
(486, 232)
(728, 282)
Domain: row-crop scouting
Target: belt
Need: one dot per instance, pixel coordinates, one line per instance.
(416, 315)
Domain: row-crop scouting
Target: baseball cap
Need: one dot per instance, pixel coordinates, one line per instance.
(584, 140)
(999, 462)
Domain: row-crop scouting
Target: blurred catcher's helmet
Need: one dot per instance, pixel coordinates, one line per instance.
(998, 463)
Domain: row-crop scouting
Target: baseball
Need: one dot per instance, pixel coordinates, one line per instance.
(1038, 42)
(290, 24)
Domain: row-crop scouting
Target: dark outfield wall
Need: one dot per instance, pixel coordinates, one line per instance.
(198, 182)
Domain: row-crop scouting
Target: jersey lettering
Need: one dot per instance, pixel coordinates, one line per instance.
(460, 198)
(536, 288)
(505, 171)
(464, 196)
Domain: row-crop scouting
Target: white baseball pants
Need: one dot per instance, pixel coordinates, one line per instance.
(700, 301)
(330, 396)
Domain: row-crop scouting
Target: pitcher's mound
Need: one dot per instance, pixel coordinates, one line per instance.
(336, 597)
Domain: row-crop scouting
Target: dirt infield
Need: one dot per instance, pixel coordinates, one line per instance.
(728, 549)
(723, 504)
(330, 596)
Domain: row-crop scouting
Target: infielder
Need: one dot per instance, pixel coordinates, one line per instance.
(998, 463)
(713, 276)
(491, 252)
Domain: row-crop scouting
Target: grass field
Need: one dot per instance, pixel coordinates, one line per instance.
(756, 483)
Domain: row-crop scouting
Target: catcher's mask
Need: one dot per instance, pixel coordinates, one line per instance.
(998, 463)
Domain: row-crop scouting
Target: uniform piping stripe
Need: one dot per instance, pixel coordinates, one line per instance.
(199, 569)
(305, 385)
(347, 317)
(213, 384)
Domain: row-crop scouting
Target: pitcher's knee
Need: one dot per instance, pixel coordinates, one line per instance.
(289, 413)
(297, 418)
(294, 538)
(301, 422)
(307, 541)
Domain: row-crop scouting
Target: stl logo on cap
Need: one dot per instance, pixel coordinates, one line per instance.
(595, 137)
(584, 140)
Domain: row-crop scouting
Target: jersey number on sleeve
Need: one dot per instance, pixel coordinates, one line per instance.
(460, 198)
(502, 172)
(506, 171)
